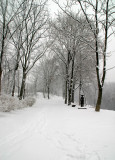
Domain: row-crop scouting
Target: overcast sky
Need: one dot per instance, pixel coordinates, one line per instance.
(110, 77)
(111, 60)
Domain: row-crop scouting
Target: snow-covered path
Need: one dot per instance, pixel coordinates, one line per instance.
(53, 131)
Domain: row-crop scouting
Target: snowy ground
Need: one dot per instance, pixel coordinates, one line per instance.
(53, 131)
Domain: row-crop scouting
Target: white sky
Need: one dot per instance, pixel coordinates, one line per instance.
(111, 61)
(110, 76)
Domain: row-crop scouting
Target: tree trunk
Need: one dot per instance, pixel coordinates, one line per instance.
(66, 84)
(1, 57)
(80, 86)
(48, 93)
(68, 81)
(18, 84)
(73, 89)
(0, 80)
(15, 69)
(98, 105)
(13, 89)
(71, 81)
(22, 90)
(69, 96)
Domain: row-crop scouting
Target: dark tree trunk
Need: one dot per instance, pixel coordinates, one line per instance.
(68, 81)
(100, 87)
(73, 89)
(98, 104)
(101, 84)
(0, 80)
(66, 87)
(80, 86)
(16, 68)
(69, 96)
(48, 93)
(1, 57)
(22, 90)
(71, 81)
(18, 84)
(13, 89)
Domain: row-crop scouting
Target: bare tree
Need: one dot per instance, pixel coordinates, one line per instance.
(100, 18)
(103, 18)
(8, 10)
(68, 45)
(33, 27)
(46, 74)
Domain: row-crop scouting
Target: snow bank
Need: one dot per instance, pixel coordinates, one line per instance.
(8, 103)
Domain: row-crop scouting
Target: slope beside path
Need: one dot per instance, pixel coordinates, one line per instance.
(51, 130)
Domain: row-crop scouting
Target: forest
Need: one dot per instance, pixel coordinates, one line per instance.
(64, 56)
